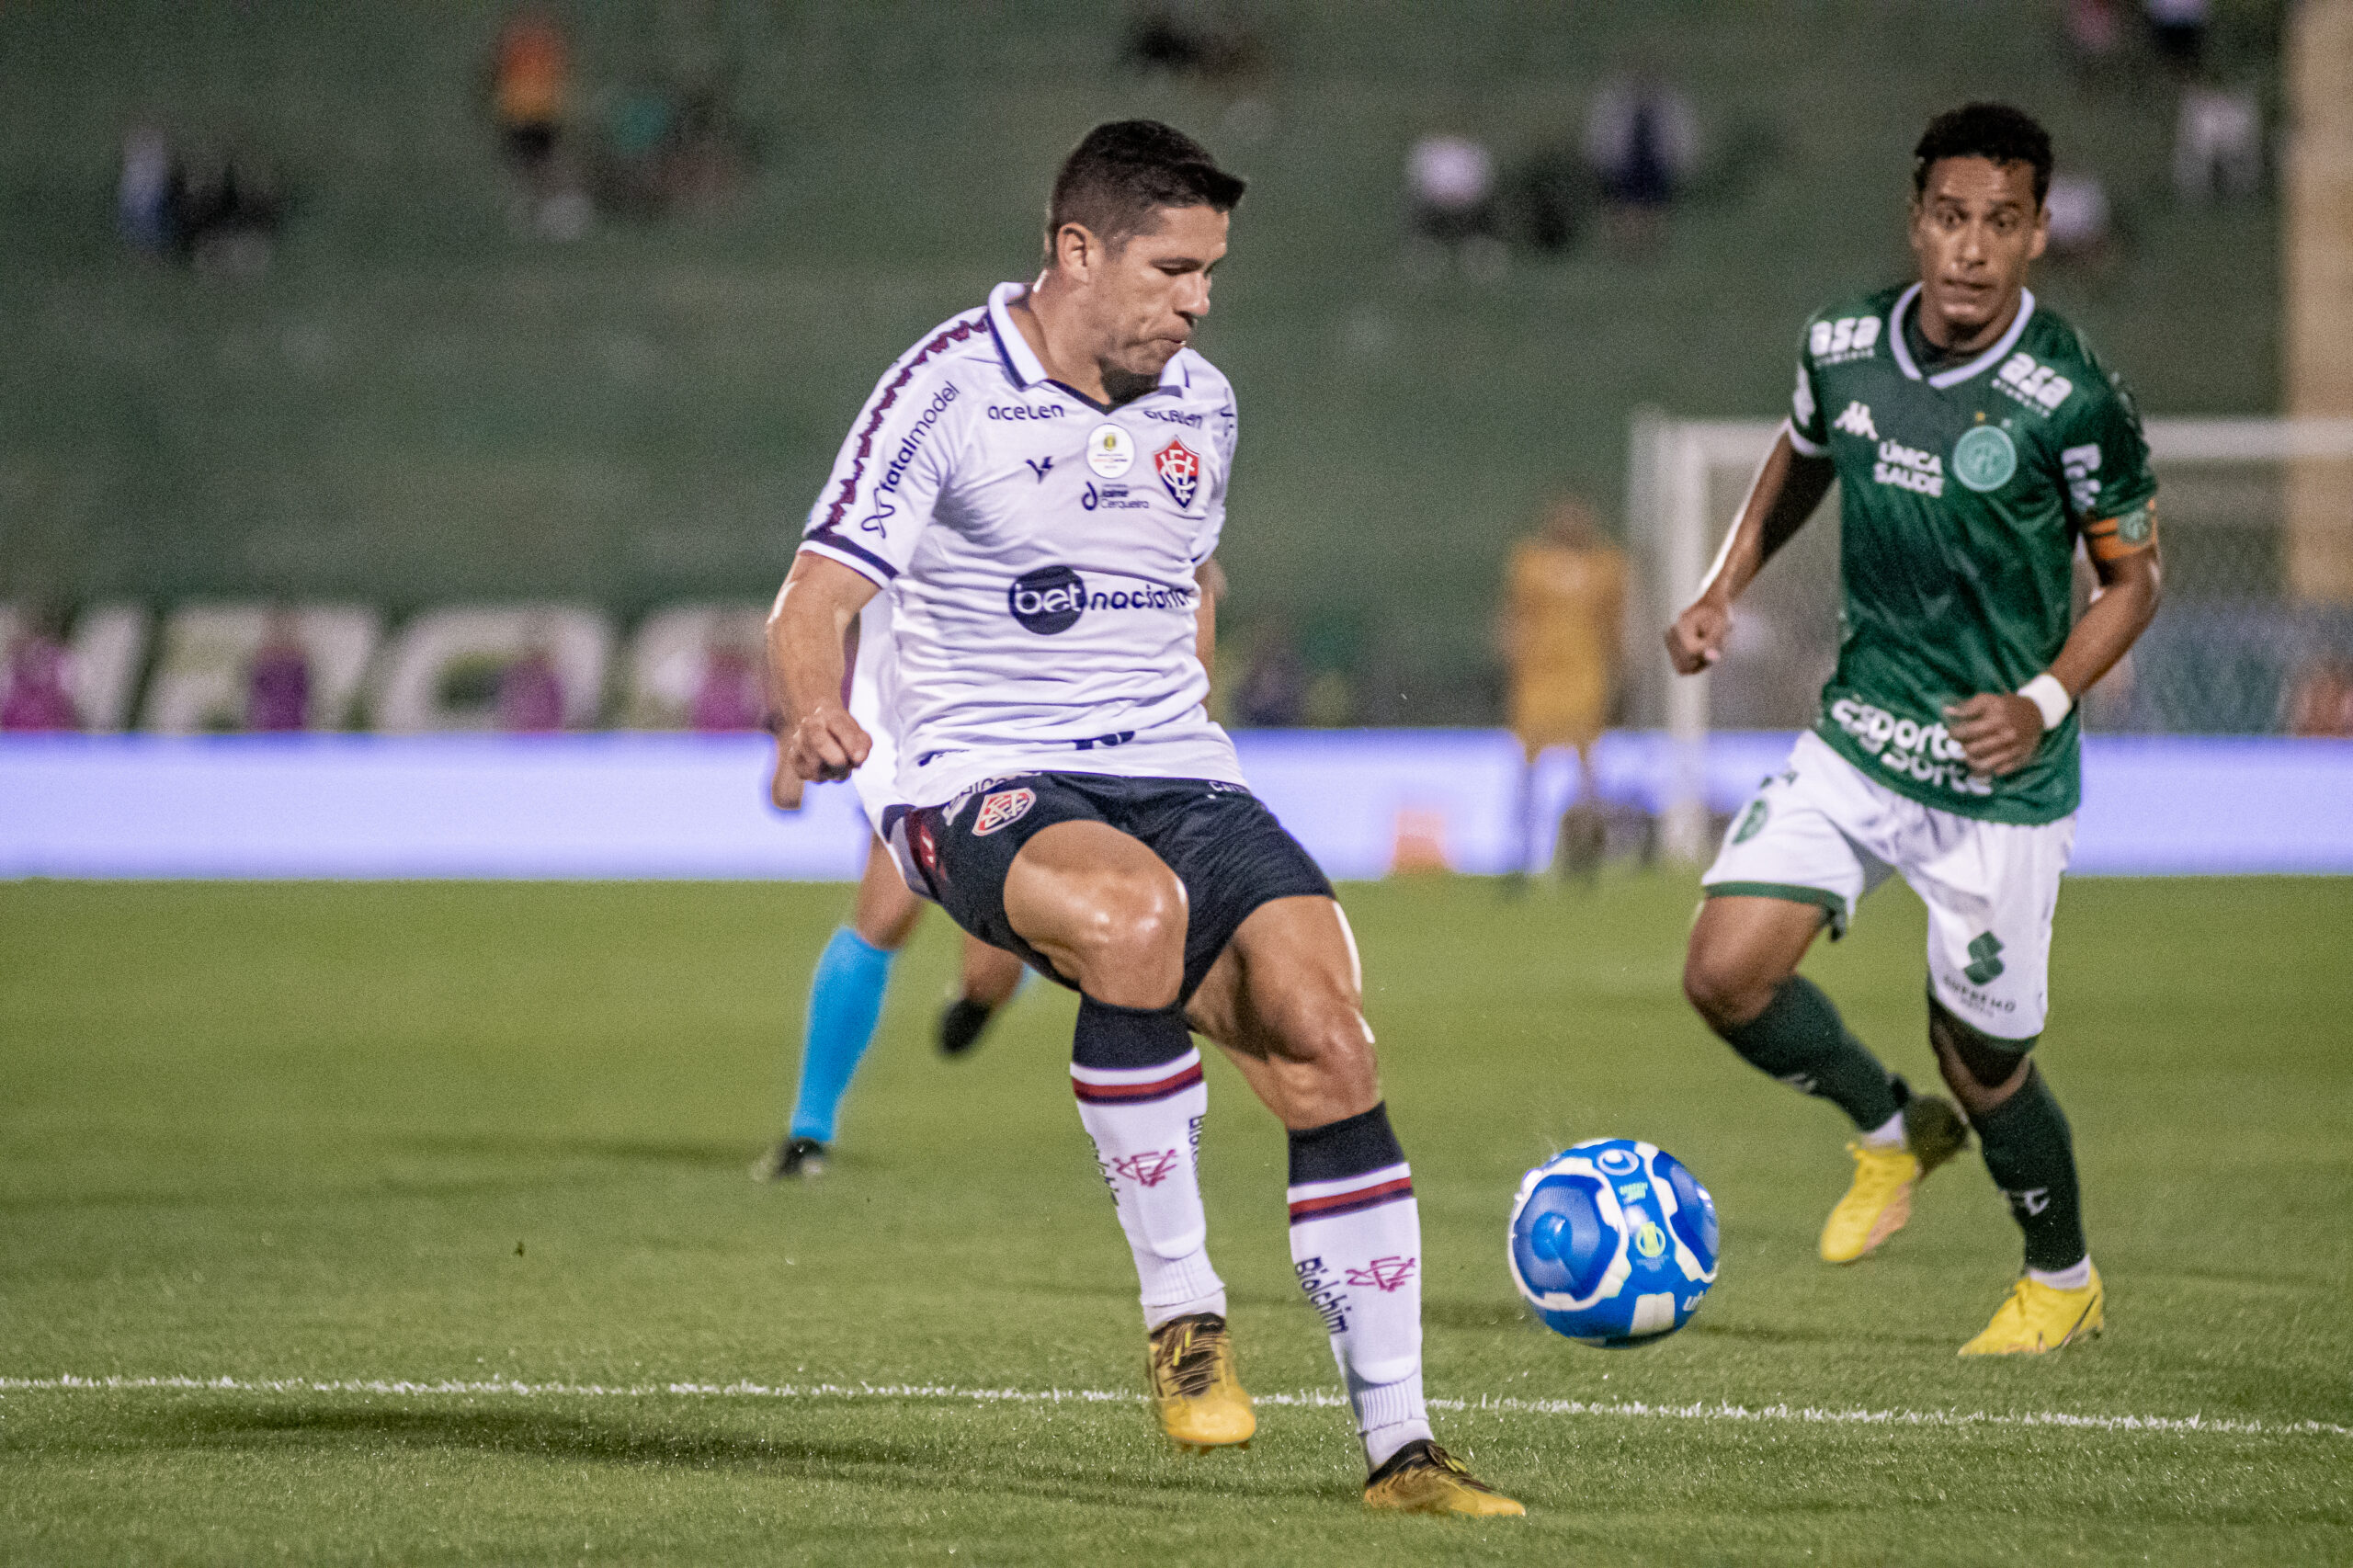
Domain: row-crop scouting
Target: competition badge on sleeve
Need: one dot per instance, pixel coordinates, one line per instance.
(1180, 469)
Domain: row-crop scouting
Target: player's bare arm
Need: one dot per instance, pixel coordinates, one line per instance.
(818, 739)
(1999, 731)
(1787, 490)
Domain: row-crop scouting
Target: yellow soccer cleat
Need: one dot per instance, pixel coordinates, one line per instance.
(1422, 1478)
(1200, 1401)
(1879, 1200)
(2035, 1318)
(1877, 1203)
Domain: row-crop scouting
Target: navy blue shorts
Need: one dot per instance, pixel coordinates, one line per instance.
(1226, 847)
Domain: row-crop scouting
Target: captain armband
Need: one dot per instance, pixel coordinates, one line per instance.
(2112, 539)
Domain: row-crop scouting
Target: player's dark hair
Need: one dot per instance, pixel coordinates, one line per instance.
(1994, 132)
(1124, 172)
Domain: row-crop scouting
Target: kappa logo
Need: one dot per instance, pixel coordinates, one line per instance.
(1144, 1170)
(1180, 470)
(1856, 421)
(1385, 1273)
(1005, 807)
(2037, 385)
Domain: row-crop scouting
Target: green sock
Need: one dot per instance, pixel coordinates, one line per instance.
(1799, 1040)
(2031, 1156)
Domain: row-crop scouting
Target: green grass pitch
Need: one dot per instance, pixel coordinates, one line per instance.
(353, 1135)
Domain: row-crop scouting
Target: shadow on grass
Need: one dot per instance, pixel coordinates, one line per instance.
(946, 1465)
(700, 1153)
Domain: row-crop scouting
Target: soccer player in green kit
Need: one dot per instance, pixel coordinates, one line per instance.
(1975, 440)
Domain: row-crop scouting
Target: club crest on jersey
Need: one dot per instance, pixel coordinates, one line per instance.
(1004, 807)
(1180, 470)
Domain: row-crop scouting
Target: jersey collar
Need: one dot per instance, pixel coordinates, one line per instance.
(1022, 365)
(1958, 373)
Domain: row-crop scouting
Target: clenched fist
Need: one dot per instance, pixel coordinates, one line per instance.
(826, 744)
(1696, 638)
(1997, 731)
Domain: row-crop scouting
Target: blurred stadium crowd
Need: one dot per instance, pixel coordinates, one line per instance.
(444, 367)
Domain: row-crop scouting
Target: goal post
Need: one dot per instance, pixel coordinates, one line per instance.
(2241, 644)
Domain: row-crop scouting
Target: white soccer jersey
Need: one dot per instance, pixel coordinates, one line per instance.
(872, 680)
(1038, 553)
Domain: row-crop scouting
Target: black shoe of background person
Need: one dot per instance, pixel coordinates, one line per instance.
(795, 1159)
(962, 1024)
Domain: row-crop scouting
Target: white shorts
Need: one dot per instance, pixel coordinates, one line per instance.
(1821, 831)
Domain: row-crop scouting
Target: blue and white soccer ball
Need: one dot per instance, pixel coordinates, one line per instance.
(1613, 1242)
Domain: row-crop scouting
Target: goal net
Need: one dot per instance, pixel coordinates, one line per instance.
(2256, 636)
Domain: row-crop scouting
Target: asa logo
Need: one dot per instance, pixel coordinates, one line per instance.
(1856, 421)
(2031, 383)
(1002, 809)
(1180, 470)
(1848, 337)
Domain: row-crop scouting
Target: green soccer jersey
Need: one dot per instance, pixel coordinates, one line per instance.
(1963, 491)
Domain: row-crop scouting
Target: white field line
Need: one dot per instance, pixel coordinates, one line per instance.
(1629, 1409)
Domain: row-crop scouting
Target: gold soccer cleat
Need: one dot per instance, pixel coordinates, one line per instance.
(1422, 1478)
(2035, 1318)
(1200, 1401)
(1879, 1200)
(1876, 1205)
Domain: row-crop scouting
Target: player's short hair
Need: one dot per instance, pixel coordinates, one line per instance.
(1124, 172)
(1994, 132)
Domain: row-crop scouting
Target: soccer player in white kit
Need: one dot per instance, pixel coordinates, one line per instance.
(1037, 485)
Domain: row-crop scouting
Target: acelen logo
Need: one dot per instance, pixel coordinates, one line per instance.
(1180, 470)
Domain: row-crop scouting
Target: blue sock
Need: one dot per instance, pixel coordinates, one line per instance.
(845, 1002)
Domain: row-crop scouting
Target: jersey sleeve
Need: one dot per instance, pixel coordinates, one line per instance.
(2104, 460)
(1808, 434)
(888, 475)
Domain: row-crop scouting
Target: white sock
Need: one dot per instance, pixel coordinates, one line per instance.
(1357, 1244)
(1888, 1135)
(1146, 1123)
(2074, 1278)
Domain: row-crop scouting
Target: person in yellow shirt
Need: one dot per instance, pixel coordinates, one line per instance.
(1564, 595)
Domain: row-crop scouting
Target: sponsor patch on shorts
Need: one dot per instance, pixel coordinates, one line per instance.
(1005, 806)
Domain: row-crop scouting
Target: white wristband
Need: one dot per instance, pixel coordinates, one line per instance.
(2049, 697)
